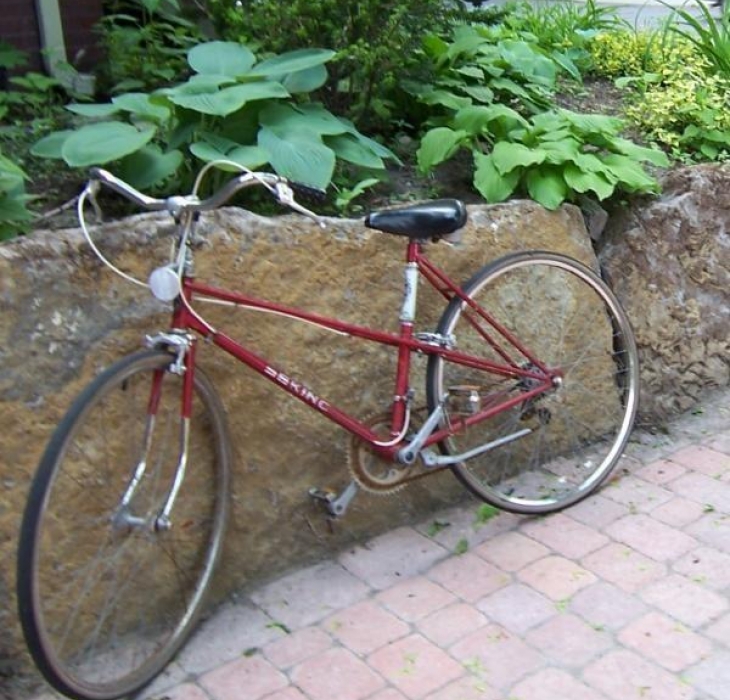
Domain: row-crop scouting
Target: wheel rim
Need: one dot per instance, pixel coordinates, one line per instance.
(113, 603)
(566, 315)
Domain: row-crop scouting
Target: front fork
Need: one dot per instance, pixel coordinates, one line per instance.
(182, 348)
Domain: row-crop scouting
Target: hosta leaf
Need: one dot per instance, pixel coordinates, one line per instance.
(306, 80)
(93, 110)
(489, 182)
(231, 99)
(583, 181)
(629, 174)
(221, 58)
(292, 62)
(247, 156)
(52, 145)
(480, 93)
(633, 150)
(348, 148)
(438, 145)
(547, 187)
(139, 104)
(101, 143)
(301, 157)
(149, 166)
(508, 156)
(480, 119)
(285, 119)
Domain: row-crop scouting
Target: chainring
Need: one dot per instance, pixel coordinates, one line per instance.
(371, 471)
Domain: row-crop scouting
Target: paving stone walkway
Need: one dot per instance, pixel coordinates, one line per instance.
(622, 597)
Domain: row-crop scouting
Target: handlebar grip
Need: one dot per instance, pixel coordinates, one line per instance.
(314, 194)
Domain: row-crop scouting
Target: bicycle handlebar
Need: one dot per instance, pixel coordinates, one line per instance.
(279, 186)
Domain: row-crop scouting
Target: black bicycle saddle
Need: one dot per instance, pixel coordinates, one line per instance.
(420, 221)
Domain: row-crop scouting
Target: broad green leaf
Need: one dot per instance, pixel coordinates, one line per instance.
(547, 187)
(560, 151)
(471, 72)
(480, 119)
(149, 166)
(445, 98)
(93, 110)
(633, 150)
(582, 181)
(480, 93)
(139, 104)
(493, 186)
(508, 156)
(348, 148)
(221, 58)
(52, 145)
(292, 62)
(438, 145)
(629, 174)
(231, 99)
(285, 119)
(101, 143)
(301, 157)
(593, 123)
(247, 156)
(306, 80)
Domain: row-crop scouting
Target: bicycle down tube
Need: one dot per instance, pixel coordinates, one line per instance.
(185, 318)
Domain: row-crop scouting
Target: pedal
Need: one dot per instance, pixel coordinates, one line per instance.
(335, 504)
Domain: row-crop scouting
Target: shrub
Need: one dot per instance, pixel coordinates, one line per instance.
(145, 48)
(377, 43)
(232, 108)
(551, 156)
(14, 215)
(479, 65)
(625, 52)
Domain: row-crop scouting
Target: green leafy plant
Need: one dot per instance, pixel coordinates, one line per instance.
(14, 214)
(564, 27)
(626, 52)
(710, 35)
(377, 43)
(145, 48)
(552, 157)
(232, 108)
(480, 66)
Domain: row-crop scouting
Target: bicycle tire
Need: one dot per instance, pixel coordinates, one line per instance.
(568, 316)
(104, 608)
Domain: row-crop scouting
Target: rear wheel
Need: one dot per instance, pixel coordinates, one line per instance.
(107, 596)
(568, 318)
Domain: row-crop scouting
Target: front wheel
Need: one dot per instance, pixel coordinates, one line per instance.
(107, 592)
(560, 446)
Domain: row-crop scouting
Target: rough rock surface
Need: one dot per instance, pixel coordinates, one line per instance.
(668, 259)
(64, 317)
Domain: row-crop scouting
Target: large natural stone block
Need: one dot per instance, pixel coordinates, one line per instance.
(668, 259)
(65, 316)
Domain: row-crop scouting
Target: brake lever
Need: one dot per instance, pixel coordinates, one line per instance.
(285, 195)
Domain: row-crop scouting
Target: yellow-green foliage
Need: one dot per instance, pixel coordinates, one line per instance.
(686, 95)
(618, 53)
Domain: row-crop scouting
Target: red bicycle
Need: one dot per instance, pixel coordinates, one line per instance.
(531, 392)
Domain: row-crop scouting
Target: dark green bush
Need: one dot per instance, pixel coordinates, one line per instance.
(377, 41)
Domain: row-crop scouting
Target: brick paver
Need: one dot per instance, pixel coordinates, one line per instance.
(621, 597)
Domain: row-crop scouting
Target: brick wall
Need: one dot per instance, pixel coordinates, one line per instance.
(79, 18)
(19, 27)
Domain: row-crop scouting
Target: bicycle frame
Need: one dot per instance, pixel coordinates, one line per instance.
(542, 378)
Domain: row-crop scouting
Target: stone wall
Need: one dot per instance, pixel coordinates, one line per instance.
(64, 317)
(668, 259)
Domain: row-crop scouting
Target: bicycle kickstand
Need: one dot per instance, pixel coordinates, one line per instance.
(335, 504)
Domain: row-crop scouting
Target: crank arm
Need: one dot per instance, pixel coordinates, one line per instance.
(431, 459)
